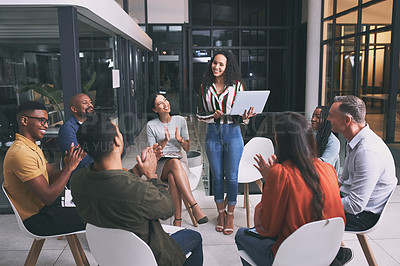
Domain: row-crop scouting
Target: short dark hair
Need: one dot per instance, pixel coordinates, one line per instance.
(353, 106)
(96, 136)
(30, 106)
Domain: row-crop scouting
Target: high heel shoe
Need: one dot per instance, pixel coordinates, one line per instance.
(220, 228)
(228, 231)
(179, 220)
(202, 220)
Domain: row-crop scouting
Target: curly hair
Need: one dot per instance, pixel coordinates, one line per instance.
(231, 75)
(324, 130)
(295, 142)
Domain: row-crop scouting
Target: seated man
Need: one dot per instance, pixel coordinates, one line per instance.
(368, 175)
(108, 196)
(81, 106)
(32, 184)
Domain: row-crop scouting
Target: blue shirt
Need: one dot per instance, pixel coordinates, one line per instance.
(67, 135)
(368, 175)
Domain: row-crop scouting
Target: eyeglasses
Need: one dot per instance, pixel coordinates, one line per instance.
(42, 120)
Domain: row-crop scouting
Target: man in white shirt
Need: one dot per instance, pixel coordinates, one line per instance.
(368, 175)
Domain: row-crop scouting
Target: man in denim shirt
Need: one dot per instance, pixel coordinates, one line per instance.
(368, 175)
(81, 106)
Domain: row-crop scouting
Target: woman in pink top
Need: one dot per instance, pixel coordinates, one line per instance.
(298, 189)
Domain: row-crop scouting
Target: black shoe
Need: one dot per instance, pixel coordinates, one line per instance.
(344, 255)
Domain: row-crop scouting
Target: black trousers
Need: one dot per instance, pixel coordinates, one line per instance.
(360, 222)
(54, 220)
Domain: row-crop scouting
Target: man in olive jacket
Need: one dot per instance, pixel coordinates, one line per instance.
(108, 196)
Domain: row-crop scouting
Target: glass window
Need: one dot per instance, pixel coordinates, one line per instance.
(343, 5)
(253, 13)
(326, 74)
(327, 29)
(137, 10)
(254, 38)
(175, 34)
(201, 12)
(350, 18)
(225, 13)
(254, 64)
(278, 13)
(278, 37)
(201, 37)
(96, 52)
(328, 8)
(159, 34)
(30, 67)
(277, 79)
(379, 13)
(225, 38)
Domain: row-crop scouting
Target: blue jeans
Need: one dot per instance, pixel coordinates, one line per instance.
(259, 249)
(190, 241)
(224, 148)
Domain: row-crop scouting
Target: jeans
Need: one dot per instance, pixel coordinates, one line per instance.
(224, 148)
(259, 249)
(190, 241)
(54, 220)
(360, 222)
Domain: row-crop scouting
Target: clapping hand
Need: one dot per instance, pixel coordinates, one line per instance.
(167, 137)
(73, 157)
(263, 166)
(147, 163)
(178, 136)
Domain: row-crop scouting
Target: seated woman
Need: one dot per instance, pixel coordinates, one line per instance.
(328, 145)
(298, 189)
(173, 166)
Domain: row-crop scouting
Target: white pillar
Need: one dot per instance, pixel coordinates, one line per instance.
(313, 55)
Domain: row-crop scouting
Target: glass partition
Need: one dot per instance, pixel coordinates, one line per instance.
(30, 66)
(96, 54)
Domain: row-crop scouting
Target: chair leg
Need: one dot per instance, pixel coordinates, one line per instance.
(245, 191)
(34, 252)
(77, 251)
(367, 250)
(190, 211)
(246, 200)
(260, 185)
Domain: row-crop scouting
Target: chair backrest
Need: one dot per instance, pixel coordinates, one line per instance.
(116, 247)
(380, 217)
(19, 220)
(315, 243)
(257, 145)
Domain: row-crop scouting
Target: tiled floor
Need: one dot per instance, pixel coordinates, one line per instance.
(218, 248)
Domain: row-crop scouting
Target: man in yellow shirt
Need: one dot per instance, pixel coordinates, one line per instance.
(32, 184)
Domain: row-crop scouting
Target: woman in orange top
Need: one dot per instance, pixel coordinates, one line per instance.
(298, 189)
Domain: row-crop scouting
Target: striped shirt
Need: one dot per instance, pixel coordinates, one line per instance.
(210, 102)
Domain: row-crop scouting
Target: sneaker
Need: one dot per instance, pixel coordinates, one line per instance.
(345, 255)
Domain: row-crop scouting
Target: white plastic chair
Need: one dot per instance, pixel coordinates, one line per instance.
(34, 252)
(247, 172)
(362, 238)
(313, 244)
(117, 247)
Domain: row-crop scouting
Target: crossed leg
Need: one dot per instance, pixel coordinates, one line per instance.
(179, 187)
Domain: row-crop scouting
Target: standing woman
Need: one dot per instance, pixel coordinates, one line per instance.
(224, 142)
(172, 134)
(328, 145)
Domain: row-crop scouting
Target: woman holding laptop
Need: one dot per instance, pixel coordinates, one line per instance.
(172, 134)
(224, 142)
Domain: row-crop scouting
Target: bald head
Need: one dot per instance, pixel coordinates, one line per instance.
(80, 105)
